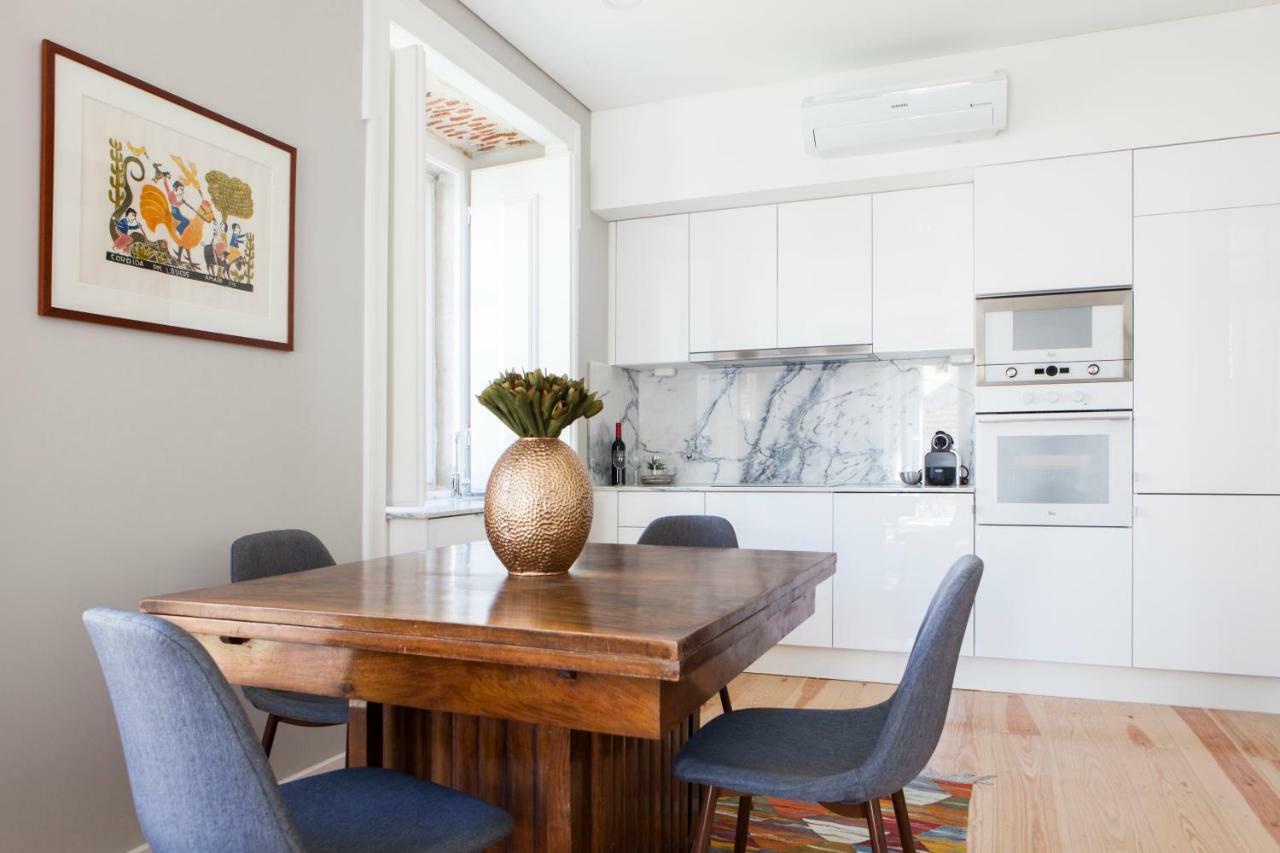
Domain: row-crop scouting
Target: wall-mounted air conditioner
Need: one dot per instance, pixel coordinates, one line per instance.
(913, 117)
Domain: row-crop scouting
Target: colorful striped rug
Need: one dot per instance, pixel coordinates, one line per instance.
(939, 807)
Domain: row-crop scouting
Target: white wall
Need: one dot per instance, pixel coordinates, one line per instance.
(130, 460)
(1200, 78)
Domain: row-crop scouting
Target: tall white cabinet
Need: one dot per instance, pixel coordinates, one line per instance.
(733, 279)
(824, 272)
(1061, 224)
(651, 290)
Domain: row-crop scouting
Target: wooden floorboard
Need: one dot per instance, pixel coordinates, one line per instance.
(1081, 775)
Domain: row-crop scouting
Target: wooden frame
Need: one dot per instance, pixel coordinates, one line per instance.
(50, 53)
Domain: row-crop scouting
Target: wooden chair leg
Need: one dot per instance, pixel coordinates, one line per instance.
(707, 819)
(724, 700)
(904, 822)
(744, 824)
(875, 826)
(269, 733)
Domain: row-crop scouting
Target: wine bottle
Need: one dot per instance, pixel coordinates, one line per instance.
(618, 473)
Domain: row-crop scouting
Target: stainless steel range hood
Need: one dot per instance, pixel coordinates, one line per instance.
(852, 352)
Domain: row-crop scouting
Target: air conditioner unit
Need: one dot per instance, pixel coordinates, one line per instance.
(914, 117)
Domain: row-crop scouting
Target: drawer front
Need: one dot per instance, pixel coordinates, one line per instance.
(455, 530)
(637, 509)
(604, 517)
(629, 535)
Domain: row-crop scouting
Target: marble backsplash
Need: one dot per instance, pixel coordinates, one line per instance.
(818, 423)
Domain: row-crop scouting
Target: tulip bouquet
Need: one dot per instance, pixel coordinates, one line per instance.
(536, 404)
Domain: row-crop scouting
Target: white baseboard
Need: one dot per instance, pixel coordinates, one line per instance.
(333, 762)
(1121, 684)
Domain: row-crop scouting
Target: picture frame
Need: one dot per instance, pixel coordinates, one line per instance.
(159, 214)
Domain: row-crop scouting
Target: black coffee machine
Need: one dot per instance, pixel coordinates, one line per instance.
(942, 462)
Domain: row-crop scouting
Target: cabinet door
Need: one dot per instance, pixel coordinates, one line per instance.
(455, 530)
(796, 521)
(923, 271)
(892, 551)
(1207, 175)
(1064, 224)
(1206, 405)
(733, 279)
(824, 272)
(604, 516)
(1060, 594)
(637, 509)
(651, 290)
(1205, 584)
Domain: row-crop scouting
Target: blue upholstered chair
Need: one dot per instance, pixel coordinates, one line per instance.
(845, 760)
(280, 552)
(693, 531)
(201, 784)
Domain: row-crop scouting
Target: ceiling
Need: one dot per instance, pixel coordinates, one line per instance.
(658, 49)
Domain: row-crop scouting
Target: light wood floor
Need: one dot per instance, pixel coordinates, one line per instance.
(1081, 775)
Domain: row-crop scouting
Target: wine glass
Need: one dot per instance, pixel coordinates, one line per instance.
(633, 465)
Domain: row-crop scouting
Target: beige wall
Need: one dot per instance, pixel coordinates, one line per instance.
(130, 460)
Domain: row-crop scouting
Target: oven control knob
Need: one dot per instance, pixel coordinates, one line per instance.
(1027, 396)
(1011, 372)
(1093, 369)
(1078, 397)
(1051, 397)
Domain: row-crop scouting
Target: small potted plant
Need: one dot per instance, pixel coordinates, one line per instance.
(538, 503)
(656, 473)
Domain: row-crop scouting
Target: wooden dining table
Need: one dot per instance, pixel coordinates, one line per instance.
(562, 699)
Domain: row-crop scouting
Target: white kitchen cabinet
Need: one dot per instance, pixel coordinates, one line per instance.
(651, 290)
(604, 516)
(893, 550)
(1062, 224)
(923, 275)
(824, 272)
(1205, 584)
(733, 279)
(1206, 393)
(1207, 175)
(629, 535)
(418, 534)
(637, 509)
(1060, 594)
(786, 521)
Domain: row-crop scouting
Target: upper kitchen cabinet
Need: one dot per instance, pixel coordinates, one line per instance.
(923, 271)
(1206, 393)
(733, 279)
(1207, 175)
(1062, 224)
(824, 272)
(651, 290)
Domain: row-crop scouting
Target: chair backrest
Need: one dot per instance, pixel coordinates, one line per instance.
(200, 780)
(690, 531)
(276, 552)
(918, 708)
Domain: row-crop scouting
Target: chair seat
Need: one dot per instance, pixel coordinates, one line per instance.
(371, 810)
(303, 707)
(789, 753)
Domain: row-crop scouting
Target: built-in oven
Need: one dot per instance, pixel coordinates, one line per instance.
(1059, 455)
(1060, 337)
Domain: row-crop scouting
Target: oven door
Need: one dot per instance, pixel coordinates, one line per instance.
(1056, 468)
(1064, 327)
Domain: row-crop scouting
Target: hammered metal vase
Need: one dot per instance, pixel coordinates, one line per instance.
(538, 506)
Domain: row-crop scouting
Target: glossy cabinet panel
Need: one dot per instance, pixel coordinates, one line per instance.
(892, 552)
(733, 279)
(923, 275)
(1062, 224)
(824, 272)
(637, 509)
(604, 517)
(788, 522)
(1059, 594)
(651, 290)
(1207, 351)
(1206, 584)
(1207, 175)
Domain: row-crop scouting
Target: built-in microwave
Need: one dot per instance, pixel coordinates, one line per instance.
(1059, 337)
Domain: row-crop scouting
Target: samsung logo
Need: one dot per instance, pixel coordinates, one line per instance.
(896, 106)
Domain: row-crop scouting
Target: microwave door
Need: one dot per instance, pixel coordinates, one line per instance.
(1043, 332)
(1070, 469)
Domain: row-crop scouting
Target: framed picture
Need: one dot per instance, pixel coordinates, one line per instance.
(159, 214)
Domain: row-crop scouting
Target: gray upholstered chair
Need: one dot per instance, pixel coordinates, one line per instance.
(201, 784)
(693, 531)
(845, 760)
(280, 552)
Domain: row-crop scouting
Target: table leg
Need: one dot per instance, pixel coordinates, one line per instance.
(364, 734)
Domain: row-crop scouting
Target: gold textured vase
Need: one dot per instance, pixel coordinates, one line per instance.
(538, 506)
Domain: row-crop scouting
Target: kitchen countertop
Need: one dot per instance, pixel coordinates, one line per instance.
(439, 508)
(887, 488)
